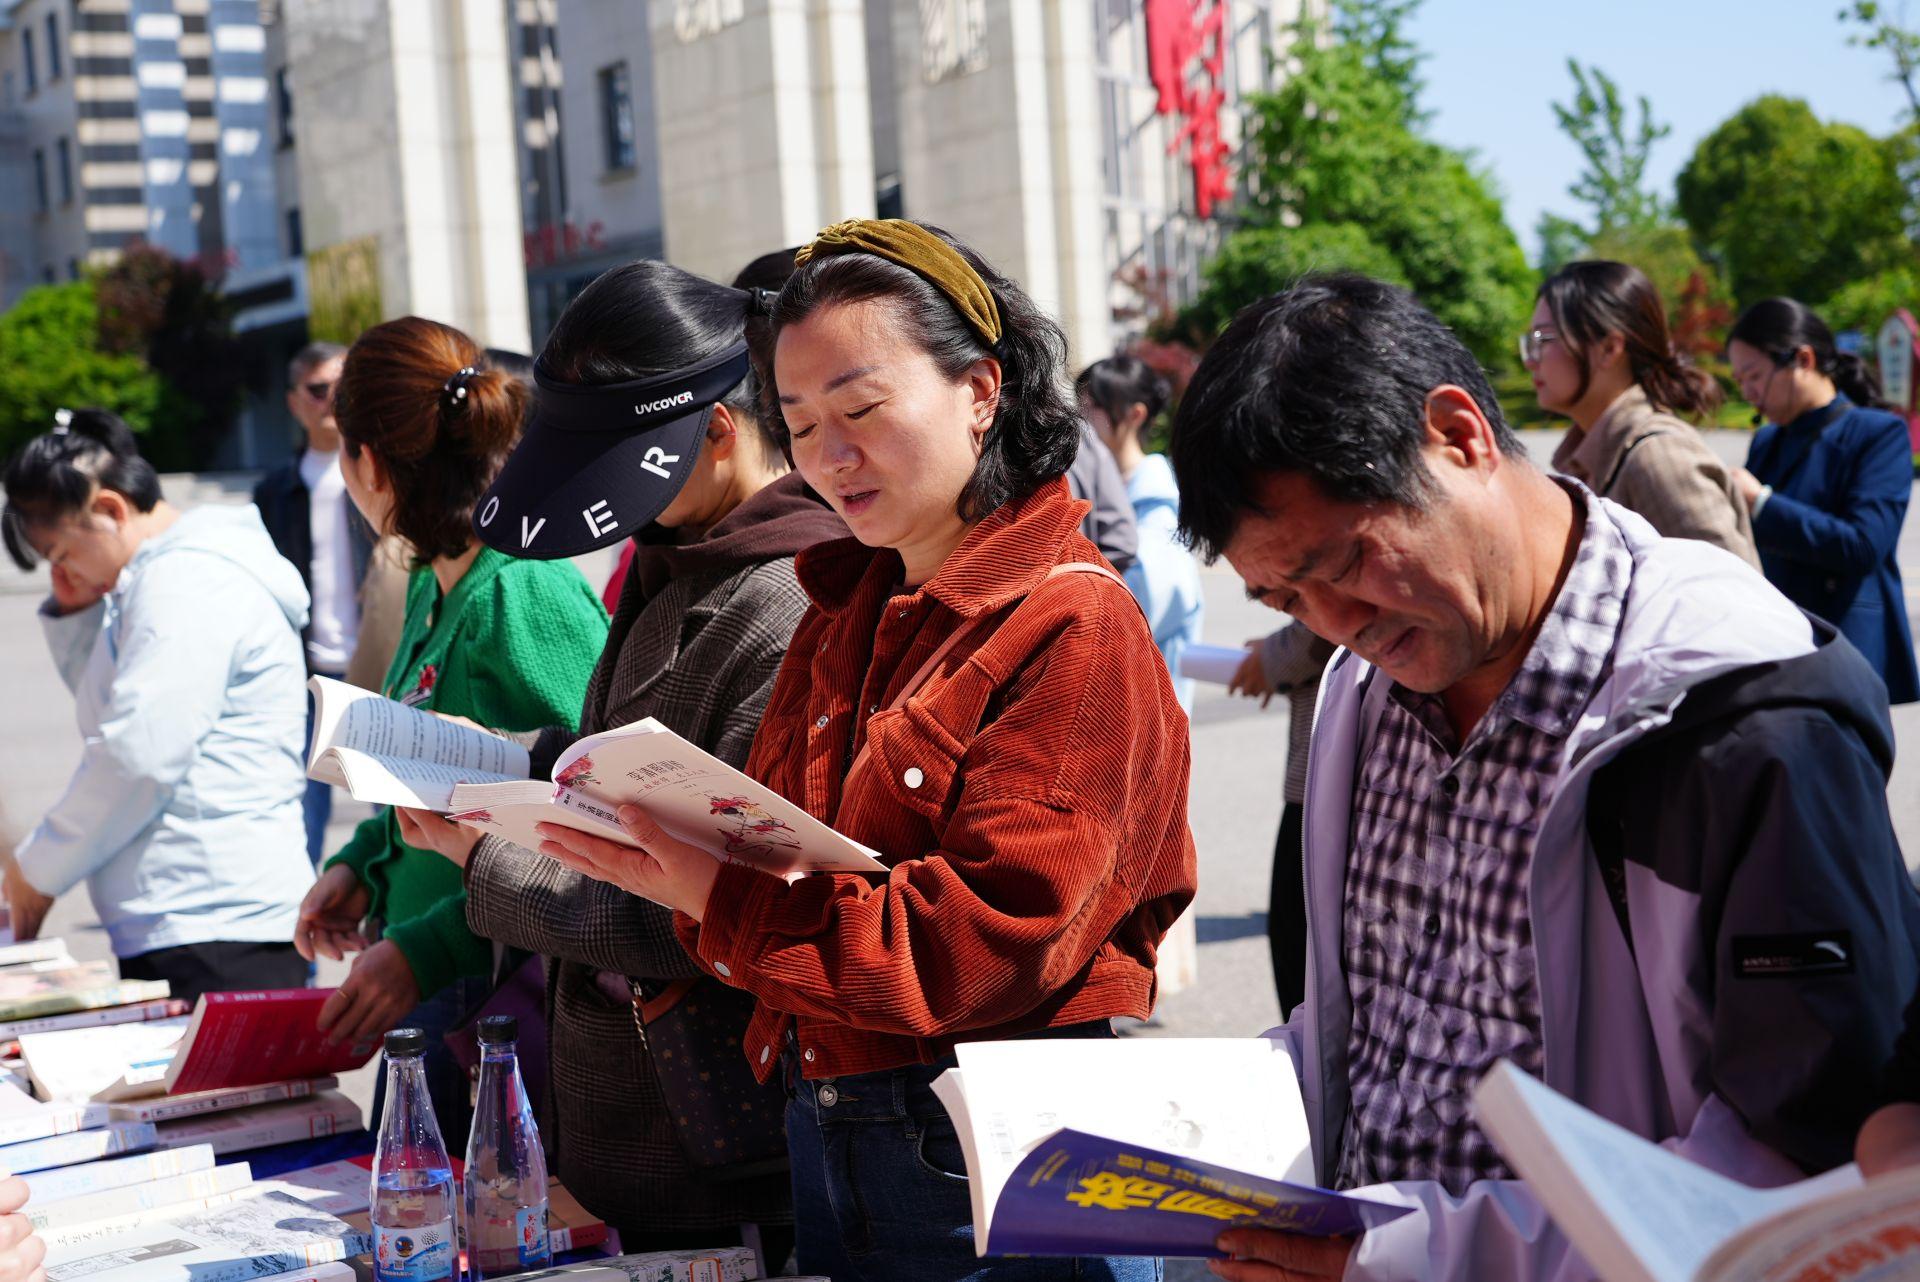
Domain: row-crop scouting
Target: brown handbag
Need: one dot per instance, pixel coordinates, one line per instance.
(730, 1125)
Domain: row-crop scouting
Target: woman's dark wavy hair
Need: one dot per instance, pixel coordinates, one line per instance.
(1328, 379)
(1780, 327)
(647, 318)
(1036, 428)
(1119, 383)
(1592, 299)
(56, 475)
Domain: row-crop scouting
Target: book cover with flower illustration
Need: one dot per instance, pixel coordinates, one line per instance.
(689, 793)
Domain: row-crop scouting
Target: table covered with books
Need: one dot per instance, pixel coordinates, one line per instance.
(159, 1143)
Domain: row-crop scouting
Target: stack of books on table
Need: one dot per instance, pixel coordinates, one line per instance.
(117, 1122)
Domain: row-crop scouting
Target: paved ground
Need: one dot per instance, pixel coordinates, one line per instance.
(1238, 752)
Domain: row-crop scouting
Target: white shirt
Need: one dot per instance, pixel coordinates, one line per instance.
(336, 593)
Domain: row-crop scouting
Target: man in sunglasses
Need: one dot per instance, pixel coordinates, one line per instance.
(304, 505)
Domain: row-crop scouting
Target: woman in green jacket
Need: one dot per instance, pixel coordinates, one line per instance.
(508, 643)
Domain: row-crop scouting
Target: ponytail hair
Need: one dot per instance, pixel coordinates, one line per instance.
(1780, 327)
(1035, 432)
(57, 475)
(1592, 299)
(1118, 383)
(442, 418)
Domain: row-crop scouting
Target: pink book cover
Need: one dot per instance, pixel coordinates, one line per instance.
(266, 1035)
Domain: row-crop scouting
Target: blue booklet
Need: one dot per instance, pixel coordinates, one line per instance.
(1137, 1146)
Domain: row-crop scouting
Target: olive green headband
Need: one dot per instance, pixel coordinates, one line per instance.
(913, 247)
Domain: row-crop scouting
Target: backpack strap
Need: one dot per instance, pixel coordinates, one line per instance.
(985, 623)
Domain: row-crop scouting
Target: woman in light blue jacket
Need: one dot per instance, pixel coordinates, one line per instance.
(1121, 397)
(179, 634)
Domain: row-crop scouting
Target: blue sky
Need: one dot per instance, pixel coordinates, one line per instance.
(1496, 65)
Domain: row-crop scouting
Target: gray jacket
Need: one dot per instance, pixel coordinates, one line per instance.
(1734, 763)
(1096, 478)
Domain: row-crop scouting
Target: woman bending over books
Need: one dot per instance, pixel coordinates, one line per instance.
(974, 696)
(425, 423)
(708, 606)
(179, 634)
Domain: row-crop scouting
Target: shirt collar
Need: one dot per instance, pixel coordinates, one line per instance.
(1002, 558)
(1573, 649)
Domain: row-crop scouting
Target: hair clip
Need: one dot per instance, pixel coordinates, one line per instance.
(453, 392)
(62, 421)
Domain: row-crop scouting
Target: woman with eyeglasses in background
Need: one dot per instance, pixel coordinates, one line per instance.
(1600, 353)
(1828, 481)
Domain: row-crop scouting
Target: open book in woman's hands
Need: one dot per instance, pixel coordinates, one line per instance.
(390, 754)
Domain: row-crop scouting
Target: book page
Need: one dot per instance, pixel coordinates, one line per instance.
(1633, 1209)
(1868, 1232)
(404, 781)
(351, 719)
(705, 802)
(1232, 1102)
(1212, 663)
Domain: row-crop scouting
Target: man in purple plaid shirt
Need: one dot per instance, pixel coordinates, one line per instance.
(1599, 803)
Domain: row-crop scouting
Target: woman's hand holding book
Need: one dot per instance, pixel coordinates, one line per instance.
(665, 869)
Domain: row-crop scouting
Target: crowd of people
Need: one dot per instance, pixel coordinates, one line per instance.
(1596, 783)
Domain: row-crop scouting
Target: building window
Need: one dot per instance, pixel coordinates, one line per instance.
(63, 155)
(616, 117)
(953, 38)
(283, 97)
(53, 46)
(27, 60)
(296, 238)
(73, 269)
(46, 273)
(40, 177)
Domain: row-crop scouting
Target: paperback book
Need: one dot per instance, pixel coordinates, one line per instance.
(241, 1130)
(1639, 1213)
(113, 1173)
(166, 1108)
(23, 1117)
(265, 1035)
(26, 994)
(132, 1013)
(132, 1201)
(690, 793)
(1137, 1147)
(89, 1145)
(236, 1241)
(114, 1062)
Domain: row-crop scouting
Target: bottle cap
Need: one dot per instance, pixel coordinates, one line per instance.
(499, 1028)
(406, 1041)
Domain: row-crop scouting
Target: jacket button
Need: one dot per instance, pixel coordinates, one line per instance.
(723, 970)
(1397, 1061)
(821, 724)
(1433, 923)
(764, 1052)
(808, 1055)
(912, 777)
(828, 1097)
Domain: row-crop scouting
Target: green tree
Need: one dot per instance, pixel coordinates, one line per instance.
(170, 313)
(1886, 31)
(1865, 304)
(1788, 204)
(50, 356)
(1342, 177)
(1612, 184)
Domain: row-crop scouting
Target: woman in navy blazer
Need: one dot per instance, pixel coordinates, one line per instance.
(1828, 482)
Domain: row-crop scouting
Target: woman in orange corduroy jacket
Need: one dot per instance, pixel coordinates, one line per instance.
(973, 695)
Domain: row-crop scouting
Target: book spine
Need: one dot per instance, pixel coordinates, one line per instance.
(582, 1238)
(137, 1013)
(138, 1199)
(54, 1121)
(96, 1177)
(79, 1146)
(167, 1110)
(259, 1134)
(132, 990)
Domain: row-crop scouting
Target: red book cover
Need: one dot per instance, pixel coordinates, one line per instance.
(267, 1035)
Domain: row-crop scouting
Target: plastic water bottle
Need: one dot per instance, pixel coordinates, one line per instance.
(413, 1216)
(506, 1171)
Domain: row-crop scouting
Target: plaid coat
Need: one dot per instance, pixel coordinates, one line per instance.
(700, 656)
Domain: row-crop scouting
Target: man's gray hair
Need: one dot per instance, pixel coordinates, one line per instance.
(309, 358)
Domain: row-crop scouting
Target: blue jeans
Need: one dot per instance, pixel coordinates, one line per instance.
(447, 1083)
(880, 1188)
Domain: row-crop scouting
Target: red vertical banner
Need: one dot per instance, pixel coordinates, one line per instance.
(1181, 33)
